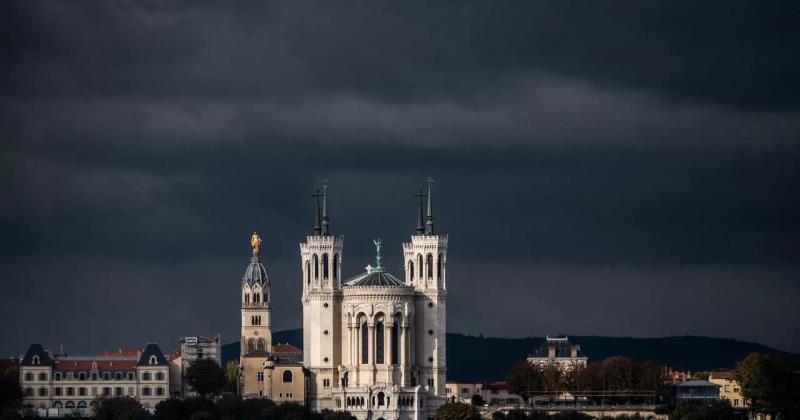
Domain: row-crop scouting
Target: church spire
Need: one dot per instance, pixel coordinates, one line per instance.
(420, 214)
(317, 216)
(429, 221)
(325, 218)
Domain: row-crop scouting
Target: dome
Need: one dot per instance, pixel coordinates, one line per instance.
(374, 277)
(256, 273)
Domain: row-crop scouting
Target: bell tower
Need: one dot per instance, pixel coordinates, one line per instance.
(321, 267)
(425, 259)
(256, 337)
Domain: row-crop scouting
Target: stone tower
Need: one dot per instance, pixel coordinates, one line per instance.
(425, 260)
(321, 267)
(256, 339)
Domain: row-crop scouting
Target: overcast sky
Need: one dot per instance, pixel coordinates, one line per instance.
(602, 167)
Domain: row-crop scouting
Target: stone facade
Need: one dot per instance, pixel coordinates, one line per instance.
(262, 372)
(63, 384)
(375, 344)
(729, 388)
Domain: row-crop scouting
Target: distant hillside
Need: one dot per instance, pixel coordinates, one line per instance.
(472, 358)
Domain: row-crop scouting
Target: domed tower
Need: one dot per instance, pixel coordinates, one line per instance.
(321, 267)
(256, 339)
(425, 259)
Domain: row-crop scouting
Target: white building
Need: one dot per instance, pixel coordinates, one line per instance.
(375, 344)
(558, 351)
(193, 349)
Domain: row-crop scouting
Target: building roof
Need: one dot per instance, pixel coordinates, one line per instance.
(721, 375)
(374, 277)
(152, 350)
(562, 345)
(123, 352)
(256, 273)
(88, 364)
(285, 348)
(695, 382)
(36, 350)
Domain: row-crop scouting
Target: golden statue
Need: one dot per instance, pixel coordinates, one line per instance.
(255, 241)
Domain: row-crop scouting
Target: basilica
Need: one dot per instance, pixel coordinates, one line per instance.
(373, 344)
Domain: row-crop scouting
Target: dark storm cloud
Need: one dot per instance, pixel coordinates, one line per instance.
(628, 150)
(731, 53)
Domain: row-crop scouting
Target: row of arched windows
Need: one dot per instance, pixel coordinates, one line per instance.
(406, 401)
(255, 320)
(256, 345)
(380, 339)
(425, 267)
(328, 271)
(257, 297)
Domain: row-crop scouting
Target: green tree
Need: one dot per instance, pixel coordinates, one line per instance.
(125, 408)
(171, 409)
(232, 376)
(703, 410)
(336, 415)
(457, 411)
(205, 377)
(525, 379)
(770, 384)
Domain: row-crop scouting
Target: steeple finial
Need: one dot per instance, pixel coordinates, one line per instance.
(317, 216)
(420, 217)
(255, 243)
(378, 244)
(325, 218)
(429, 221)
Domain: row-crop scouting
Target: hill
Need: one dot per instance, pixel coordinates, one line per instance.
(471, 358)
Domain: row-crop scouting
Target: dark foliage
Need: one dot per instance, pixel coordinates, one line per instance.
(206, 377)
(121, 408)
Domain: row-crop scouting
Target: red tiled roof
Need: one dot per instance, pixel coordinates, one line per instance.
(720, 375)
(285, 348)
(123, 352)
(102, 365)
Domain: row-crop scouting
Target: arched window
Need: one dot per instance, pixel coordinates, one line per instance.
(381, 398)
(308, 273)
(247, 298)
(130, 376)
(379, 342)
(364, 343)
(430, 266)
(153, 360)
(256, 297)
(439, 266)
(264, 295)
(35, 360)
(146, 390)
(316, 267)
(325, 268)
(411, 269)
(419, 264)
(159, 376)
(395, 340)
(261, 346)
(251, 345)
(335, 266)
(287, 376)
(146, 376)
(69, 404)
(118, 375)
(81, 404)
